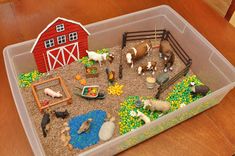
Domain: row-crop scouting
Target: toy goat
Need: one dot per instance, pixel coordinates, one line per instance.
(143, 117)
(62, 115)
(151, 66)
(52, 93)
(167, 54)
(157, 105)
(138, 52)
(97, 57)
(44, 123)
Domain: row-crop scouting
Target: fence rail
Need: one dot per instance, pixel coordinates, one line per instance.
(162, 35)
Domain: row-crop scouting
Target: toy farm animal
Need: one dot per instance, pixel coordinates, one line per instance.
(110, 75)
(44, 123)
(62, 115)
(85, 126)
(110, 57)
(52, 93)
(143, 117)
(200, 89)
(157, 105)
(167, 54)
(151, 66)
(97, 57)
(138, 52)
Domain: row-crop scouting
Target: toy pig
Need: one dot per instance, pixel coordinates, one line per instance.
(52, 93)
(138, 52)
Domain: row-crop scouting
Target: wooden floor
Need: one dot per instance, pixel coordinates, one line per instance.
(210, 133)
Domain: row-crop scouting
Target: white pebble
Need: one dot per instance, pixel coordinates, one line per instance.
(106, 131)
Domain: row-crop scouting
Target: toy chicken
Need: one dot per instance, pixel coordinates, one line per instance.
(110, 75)
(85, 126)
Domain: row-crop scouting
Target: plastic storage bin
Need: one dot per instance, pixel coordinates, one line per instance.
(18, 59)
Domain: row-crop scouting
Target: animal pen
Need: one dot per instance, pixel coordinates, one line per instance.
(54, 81)
(162, 35)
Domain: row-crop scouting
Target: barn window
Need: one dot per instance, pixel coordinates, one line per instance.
(61, 39)
(73, 36)
(60, 27)
(49, 43)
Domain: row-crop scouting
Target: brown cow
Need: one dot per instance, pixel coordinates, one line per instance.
(138, 52)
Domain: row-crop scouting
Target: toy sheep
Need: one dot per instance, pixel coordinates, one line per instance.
(143, 117)
(52, 93)
(157, 105)
(138, 52)
(151, 66)
(166, 52)
(97, 57)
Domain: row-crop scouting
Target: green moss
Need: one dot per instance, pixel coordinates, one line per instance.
(127, 122)
(26, 79)
(181, 92)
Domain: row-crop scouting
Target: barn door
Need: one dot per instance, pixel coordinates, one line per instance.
(62, 55)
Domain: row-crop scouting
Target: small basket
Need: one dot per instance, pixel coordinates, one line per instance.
(91, 75)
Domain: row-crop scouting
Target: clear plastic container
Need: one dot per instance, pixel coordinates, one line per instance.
(214, 70)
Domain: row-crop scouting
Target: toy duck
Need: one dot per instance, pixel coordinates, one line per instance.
(85, 126)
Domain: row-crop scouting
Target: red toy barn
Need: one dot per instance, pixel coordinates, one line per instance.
(60, 43)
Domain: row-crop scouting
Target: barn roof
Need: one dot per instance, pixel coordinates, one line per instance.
(48, 26)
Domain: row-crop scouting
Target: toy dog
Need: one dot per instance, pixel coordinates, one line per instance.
(138, 52)
(151, 66)
(166, 52)
(62, 115)
(44, 123)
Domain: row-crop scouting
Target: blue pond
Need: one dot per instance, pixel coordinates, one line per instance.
(90, 137)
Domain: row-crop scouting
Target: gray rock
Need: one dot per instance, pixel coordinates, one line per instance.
(162, 78)
(106, 131)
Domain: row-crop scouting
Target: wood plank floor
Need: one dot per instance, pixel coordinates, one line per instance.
(210, 133)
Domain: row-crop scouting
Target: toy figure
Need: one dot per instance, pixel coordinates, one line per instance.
(44, 123)
(110, 75)
(151, 66)
(85, 126)
(138, 52)
(110, 57)
(62, 115)
(166, 52)
(143, 117)
(52, 93)
(97, 57)
(157, 105)
(199, 90)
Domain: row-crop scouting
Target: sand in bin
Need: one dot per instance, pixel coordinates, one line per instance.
(133, 85)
